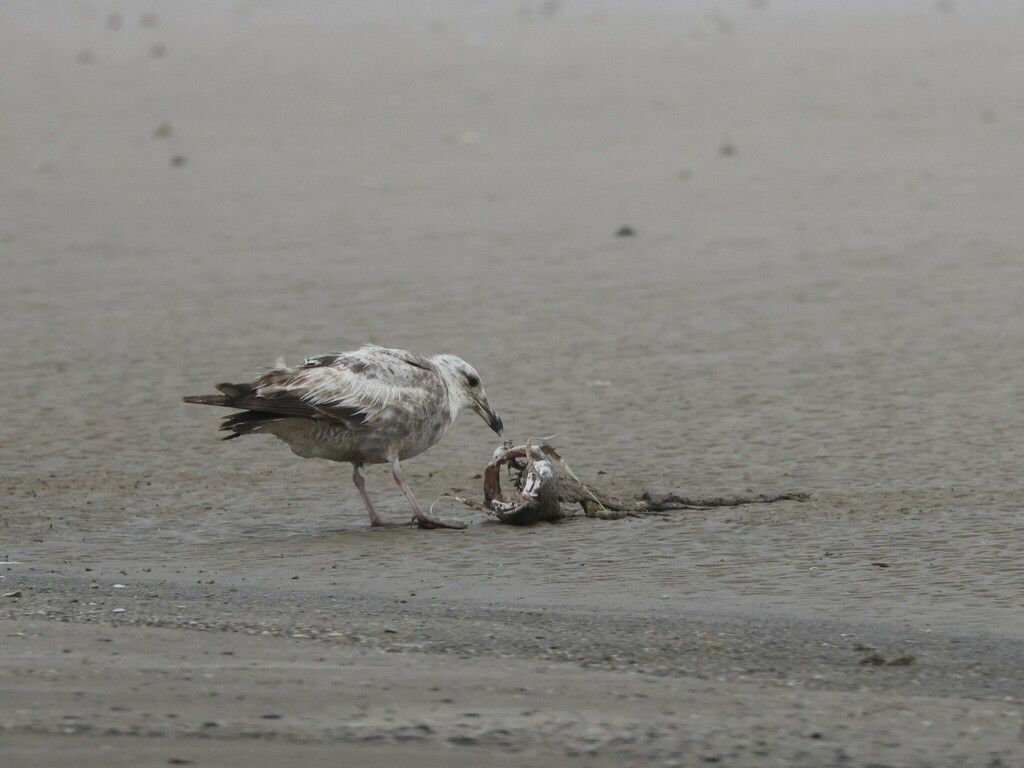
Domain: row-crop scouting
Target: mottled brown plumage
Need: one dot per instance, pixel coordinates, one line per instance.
(370, 406)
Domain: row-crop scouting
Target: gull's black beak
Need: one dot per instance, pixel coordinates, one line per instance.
(487, 414)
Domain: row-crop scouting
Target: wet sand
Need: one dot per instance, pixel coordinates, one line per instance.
(823, 294)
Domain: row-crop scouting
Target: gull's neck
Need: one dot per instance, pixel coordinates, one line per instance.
(453, 389)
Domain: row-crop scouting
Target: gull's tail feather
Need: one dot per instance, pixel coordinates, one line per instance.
(232, 393)
(247, 423)
(208, 400)
(237, 396)
(236, 390)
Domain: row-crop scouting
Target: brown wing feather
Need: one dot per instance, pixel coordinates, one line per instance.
(353, 388)
(281, 391)
(245, 397)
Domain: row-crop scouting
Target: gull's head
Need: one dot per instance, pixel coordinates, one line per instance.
(465, 388)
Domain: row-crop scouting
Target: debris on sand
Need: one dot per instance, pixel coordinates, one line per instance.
(544, 482)
(875, 659)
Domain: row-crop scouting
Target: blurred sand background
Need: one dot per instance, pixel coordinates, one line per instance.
(824, 293)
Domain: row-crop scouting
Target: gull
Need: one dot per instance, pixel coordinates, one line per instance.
(371, 406)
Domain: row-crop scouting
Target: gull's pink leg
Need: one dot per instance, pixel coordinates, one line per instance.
(422, 518)
(357, 478)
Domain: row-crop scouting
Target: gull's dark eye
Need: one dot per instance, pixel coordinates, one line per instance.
(473, 381)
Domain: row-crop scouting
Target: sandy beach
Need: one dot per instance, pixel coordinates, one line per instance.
(822, 293)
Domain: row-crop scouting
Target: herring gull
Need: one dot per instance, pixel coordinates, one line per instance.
(370, 406)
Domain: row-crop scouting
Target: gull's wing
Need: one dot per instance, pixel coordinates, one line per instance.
(350, 387)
